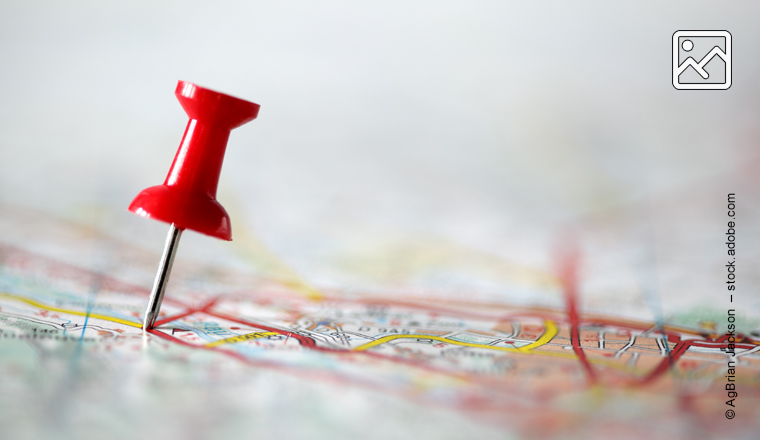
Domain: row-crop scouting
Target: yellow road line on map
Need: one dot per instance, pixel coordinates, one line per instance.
(70, 312)
(549, 333)
(257, 253)
(241, 338)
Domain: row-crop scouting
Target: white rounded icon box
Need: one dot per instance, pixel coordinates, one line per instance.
(684, 40)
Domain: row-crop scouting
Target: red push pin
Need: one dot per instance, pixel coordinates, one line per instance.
(187, 199)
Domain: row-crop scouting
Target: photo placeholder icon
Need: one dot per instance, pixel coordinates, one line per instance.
(702, 60)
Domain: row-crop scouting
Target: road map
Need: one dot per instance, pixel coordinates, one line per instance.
(236, 353)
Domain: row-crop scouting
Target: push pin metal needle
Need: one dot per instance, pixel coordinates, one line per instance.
(187, 198)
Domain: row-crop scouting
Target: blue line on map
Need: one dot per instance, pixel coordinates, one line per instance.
(90, 305)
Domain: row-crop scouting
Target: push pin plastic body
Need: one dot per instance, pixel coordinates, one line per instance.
(187, 198)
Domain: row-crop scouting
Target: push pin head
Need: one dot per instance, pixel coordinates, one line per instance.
(188, 196)
(187, 199)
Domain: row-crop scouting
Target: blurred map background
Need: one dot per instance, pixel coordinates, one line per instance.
(458, 168)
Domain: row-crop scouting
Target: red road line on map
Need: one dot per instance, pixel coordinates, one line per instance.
(188, 312)
(679, 350)
(621, 323)
(738, 338)
(427, 307)
(568, 274)
(630, 325)
(666, 363)
(161, 322)
(234, 354)
(704, 344)
(303, 340)
(575, 340)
